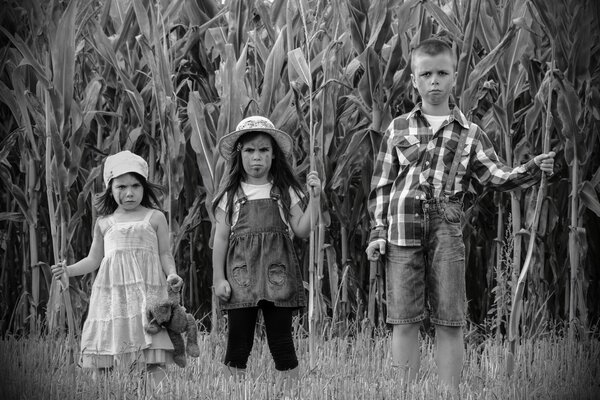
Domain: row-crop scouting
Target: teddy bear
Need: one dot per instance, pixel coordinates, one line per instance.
(171, 315)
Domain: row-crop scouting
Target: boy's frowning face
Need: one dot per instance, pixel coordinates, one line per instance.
(434, 77)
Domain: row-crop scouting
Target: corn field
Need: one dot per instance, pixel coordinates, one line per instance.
(81, 79)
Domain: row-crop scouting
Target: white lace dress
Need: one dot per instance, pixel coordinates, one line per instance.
(129, 274)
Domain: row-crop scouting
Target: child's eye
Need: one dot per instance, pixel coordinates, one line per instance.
(264, 149)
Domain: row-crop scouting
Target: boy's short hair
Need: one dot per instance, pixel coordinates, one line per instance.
(432, 47)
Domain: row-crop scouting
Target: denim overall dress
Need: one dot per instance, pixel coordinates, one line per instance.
(261, 260)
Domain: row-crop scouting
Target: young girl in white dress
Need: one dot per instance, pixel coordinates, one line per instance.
(131, 246)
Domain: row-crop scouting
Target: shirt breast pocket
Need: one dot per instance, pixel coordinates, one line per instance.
(465, 156)
(407, 148)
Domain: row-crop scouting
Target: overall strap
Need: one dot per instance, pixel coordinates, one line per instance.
(464, 133)
(241, 197)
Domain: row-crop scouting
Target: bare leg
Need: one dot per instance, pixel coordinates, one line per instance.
(449, 355)
(156, 375)
(100, 373)
(405, 350)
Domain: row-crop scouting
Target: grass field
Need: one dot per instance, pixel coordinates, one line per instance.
(351, 368)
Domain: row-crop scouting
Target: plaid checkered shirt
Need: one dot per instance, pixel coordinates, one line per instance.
(413, 164)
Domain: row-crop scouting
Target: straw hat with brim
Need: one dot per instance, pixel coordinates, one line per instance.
(254, 124)
(122, 163)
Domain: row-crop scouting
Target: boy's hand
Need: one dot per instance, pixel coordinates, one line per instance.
(174, 281)
(314, 184)
(375, 248)
(545, 162)
(222, 289)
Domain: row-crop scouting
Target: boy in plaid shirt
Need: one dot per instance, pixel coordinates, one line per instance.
(416, 209)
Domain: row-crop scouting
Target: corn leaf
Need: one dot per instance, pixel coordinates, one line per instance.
(105, 49)
(91, 99)
(63, 62)
(466, 54)
(359, 24)
(226, 94)
(589, 197)
(379, 13)
(28, 57)
(468, 101)
(298, 62)
(272, 76)
(569, 110)
(141, 15)
(202, 142)
(440, 16)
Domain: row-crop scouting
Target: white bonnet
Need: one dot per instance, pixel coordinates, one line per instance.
(123, 163)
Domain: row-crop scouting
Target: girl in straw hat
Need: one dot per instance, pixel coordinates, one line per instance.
(254, 263)
(131, 246)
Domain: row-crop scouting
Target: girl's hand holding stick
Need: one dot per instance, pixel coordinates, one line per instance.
(59, 272)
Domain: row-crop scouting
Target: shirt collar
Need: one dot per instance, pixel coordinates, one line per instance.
(455, 115)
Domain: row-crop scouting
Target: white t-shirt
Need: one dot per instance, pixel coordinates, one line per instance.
(257, 192)
(436, 121)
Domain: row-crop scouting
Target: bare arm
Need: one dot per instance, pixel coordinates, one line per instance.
(159, 221)
(300, 220)
(220, 246)
(87, 264)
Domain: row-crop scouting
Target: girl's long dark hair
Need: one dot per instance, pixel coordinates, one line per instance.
(281, 173)
(106, 204)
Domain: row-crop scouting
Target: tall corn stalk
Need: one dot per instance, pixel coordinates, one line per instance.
(517, 303)
(571, 29)
(302, 66)
(58, 102)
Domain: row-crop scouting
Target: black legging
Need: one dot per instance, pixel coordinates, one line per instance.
(278, 323)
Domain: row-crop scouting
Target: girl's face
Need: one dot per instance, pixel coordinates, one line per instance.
(257, 157)
(127, 191)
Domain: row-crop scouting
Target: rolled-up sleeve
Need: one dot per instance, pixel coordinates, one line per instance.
(490, 171)
(385, 172)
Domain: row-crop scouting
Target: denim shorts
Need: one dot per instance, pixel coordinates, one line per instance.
(429, 280)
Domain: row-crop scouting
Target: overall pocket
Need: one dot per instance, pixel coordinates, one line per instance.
(279, 283)
(277, 274)
(241, 276)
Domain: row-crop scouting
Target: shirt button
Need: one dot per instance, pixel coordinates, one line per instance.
(417, 214)
(426, 162)
(426, 206)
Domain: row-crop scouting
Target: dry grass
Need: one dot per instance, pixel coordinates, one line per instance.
(353, 368)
